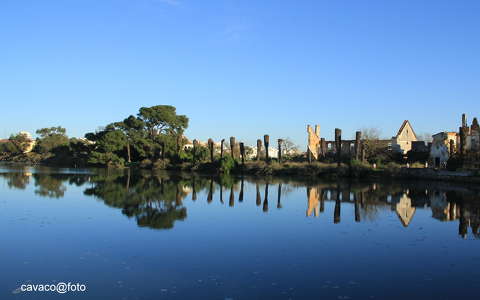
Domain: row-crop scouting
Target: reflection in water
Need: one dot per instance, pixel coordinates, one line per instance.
(157, 200)
(231, 201)
(279, 196)
(404, 209)
(240, 196)
(338, 203)
(210, 192)
(259, 198)
(357, 208)
(313, 201)
(50, 186)
(265, 201)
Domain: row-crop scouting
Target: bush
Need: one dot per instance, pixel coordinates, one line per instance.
(227, 164)
(146, 163)
(454, 163)
(161, 164)
(9, 148)
(106, 159)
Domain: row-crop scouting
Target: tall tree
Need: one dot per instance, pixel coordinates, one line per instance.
(50, 139)
(132, 128)
(164, 125)
(163, 119)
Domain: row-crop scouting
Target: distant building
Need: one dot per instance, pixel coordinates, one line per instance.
(402, 142)
(473, 137)
(465, 142)
(443, 146)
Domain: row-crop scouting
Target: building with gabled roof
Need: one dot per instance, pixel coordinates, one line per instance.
(402, 142)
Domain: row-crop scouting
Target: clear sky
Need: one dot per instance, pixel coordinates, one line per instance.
(241, 68)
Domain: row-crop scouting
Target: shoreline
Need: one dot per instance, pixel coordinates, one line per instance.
(304, 170)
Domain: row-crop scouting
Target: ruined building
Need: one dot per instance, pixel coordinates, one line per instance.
(465, 143)
(402, 143)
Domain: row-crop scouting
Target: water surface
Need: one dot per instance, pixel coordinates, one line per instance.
(131, 235)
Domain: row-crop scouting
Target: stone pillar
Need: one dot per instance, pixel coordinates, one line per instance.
(317, 130)
(232, 146)
(463, 140)
(280, 141)
(266, 141)
(338, 145)
(464, 120)
(323, 147)
(242, 152)
(358, 138)
(211, 149)
(221, 148)
(259, 148)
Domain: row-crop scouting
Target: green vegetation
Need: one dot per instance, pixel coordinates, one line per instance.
(155, 133)
(152, 138)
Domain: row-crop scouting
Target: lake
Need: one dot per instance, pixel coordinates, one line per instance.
(143, 235)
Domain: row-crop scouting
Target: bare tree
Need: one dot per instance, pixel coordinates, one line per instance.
(371, 134)
(427, 137)
(288, 146)
(375, 148)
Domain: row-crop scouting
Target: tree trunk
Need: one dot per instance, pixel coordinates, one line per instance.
(128, 152)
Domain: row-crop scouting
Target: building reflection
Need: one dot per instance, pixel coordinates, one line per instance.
(446, 205)
(404, 209)
(159, 200)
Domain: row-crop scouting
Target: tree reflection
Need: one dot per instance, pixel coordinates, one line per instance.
(158, 200)
(50, 186)
(154, 201)
(17, 180)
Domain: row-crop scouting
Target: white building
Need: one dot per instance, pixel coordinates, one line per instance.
(402, 142)
(440, 149)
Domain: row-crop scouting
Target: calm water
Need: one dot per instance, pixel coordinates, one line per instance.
(166, 236)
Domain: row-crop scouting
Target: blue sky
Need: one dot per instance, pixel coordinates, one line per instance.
(241, 68)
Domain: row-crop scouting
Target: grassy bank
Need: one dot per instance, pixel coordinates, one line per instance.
(353, 169)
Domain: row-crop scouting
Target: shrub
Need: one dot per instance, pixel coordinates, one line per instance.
(161, 164)
(454, 163)
(9, 148)
(146, 163)
(227, 164)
